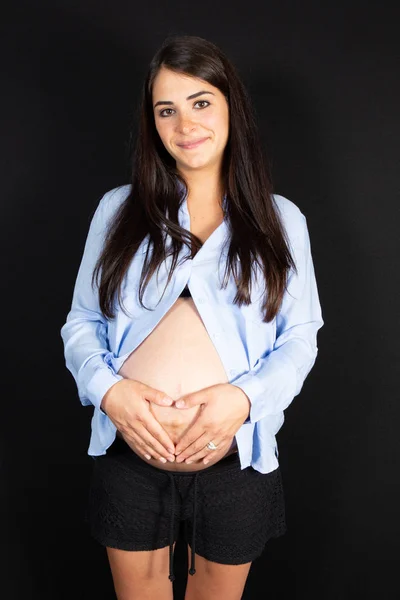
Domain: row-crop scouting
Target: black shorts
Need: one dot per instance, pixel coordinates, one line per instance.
(229, 514)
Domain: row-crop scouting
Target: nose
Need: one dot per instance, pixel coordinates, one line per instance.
(185, 125)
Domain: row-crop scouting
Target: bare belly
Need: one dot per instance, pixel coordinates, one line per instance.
(178, 357)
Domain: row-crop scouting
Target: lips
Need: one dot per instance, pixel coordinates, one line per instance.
(193, 144)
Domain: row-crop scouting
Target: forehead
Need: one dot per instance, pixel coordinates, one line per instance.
(169, 85)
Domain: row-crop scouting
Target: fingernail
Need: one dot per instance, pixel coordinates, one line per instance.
(189, 462)
(171, 459)
(167, 400)
(206, 461)
(171, 450)
(180, 403)
(148, 456)
(164, 460)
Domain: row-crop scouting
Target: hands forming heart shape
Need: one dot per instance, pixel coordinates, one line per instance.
(225, 407)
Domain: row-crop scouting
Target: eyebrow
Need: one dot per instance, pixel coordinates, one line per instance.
(188, 98)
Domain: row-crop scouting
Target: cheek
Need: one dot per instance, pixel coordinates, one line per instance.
(217, 122)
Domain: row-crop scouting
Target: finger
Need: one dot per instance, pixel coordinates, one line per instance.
(191, 400)
(194, 433)
(155, 449)
(197, 446)
(156, 436)
(156, 396)
(136, 443)
(205, 453)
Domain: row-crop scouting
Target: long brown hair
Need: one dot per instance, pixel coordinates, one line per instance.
(257, 235)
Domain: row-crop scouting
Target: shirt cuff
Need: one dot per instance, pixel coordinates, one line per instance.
(253, 388)
(100, 383)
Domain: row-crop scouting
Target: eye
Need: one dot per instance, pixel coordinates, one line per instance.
(201, 101)
(162, 111)
(198, 102)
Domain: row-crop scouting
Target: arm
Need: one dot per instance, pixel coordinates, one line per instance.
(84, 334)
(279, 376)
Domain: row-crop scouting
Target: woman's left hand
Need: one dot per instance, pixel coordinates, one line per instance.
(225, 407)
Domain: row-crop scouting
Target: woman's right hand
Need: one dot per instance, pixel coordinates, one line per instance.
(127, 404)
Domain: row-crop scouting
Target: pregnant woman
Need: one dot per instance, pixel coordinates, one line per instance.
(193, 326)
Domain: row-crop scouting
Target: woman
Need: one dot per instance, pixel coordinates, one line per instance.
(206, 295)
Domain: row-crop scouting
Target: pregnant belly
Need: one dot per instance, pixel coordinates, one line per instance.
(177, 357)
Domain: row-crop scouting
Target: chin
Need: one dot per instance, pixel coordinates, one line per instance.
(197, 162)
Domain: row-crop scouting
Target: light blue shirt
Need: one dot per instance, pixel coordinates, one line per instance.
(268, 361)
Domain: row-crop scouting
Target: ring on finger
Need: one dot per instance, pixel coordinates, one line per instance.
(211, 446)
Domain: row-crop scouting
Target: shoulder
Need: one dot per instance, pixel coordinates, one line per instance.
(289, 210)
(109, 203)
(112, 199)
(293, 220)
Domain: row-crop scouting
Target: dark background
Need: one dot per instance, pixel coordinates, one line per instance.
(324, 81)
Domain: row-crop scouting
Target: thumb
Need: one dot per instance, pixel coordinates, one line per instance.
(156, 396)
(190, 400)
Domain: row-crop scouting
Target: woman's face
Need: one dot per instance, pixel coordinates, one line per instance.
(181, 119)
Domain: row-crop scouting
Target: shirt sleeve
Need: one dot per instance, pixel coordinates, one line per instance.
(84, 333)
(278, 376)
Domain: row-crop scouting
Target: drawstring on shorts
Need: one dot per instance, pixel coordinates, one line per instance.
(192, 569)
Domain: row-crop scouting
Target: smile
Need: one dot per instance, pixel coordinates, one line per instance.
(191, 146)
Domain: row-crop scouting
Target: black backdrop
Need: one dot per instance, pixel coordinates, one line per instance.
(325, 85)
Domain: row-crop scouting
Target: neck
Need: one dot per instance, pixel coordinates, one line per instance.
(204, 190)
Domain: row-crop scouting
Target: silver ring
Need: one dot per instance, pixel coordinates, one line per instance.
(211, 446)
